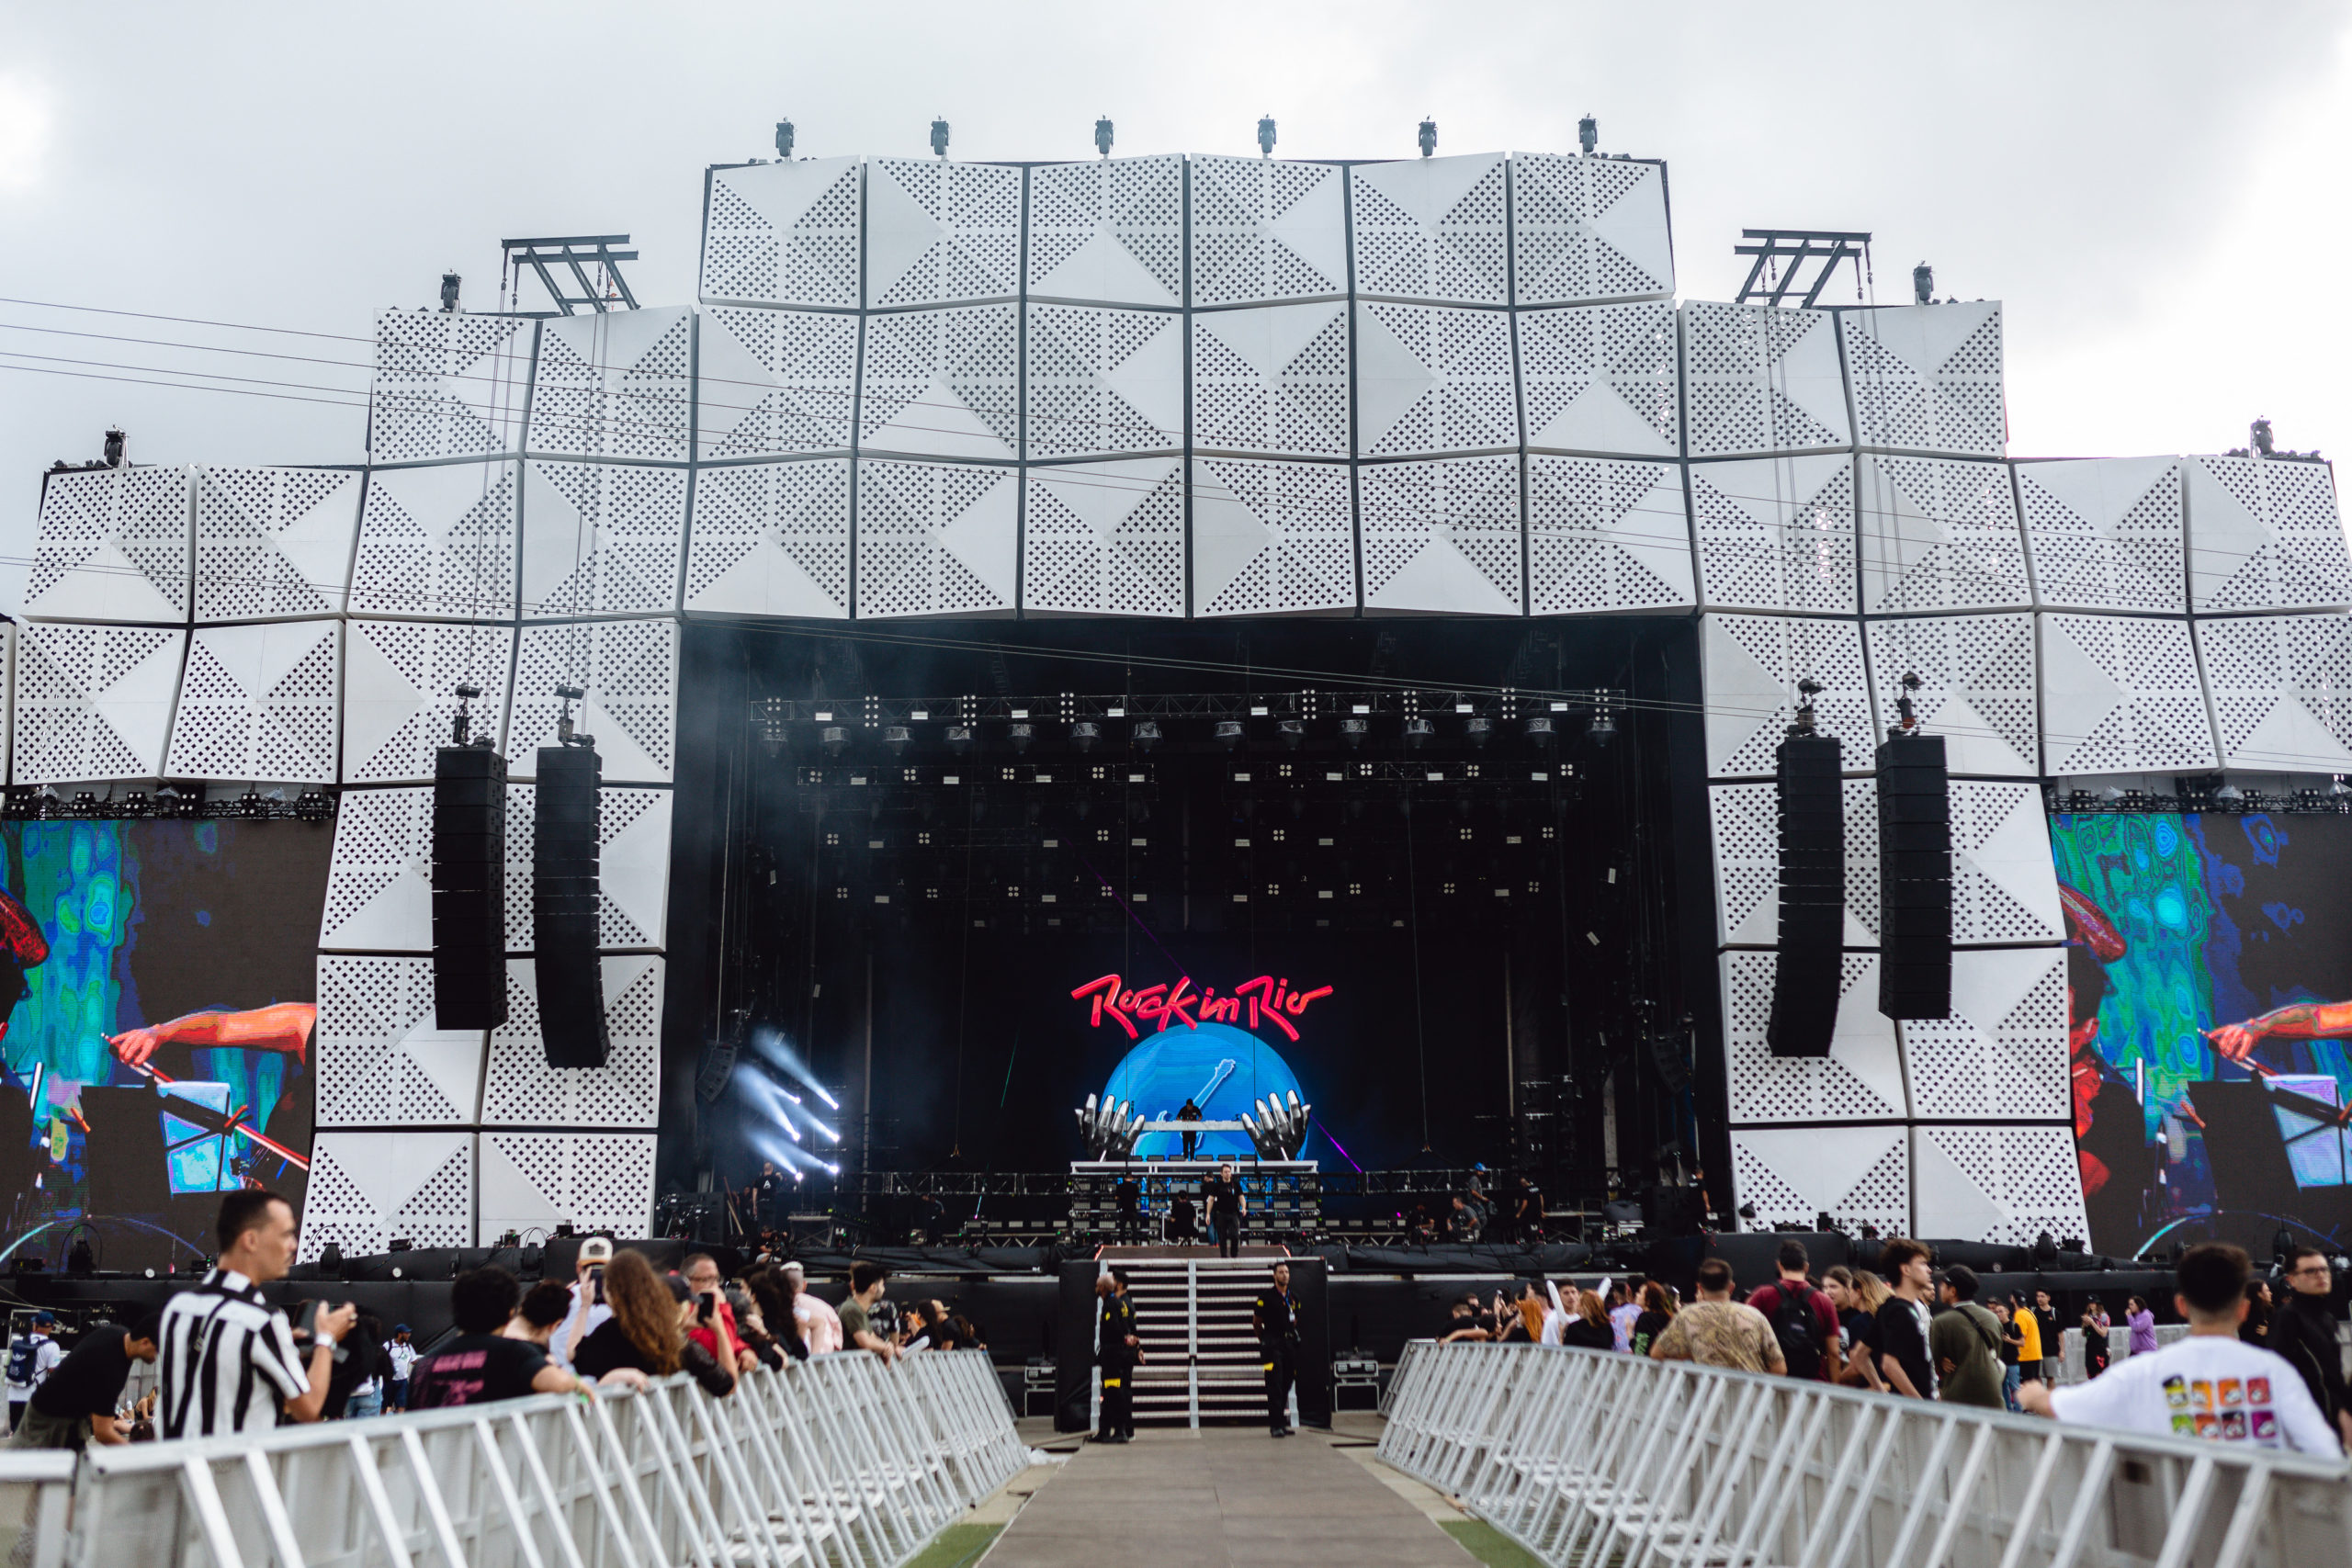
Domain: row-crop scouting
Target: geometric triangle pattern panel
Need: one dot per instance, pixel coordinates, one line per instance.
(771, 539)
(601, 538)
(629, 670)
(1859, 1080)
(1928, 378)
(400, 693)
(438, 543)
(94, 703)
(1109, 233)
(532, 1182)
(379, 881)
(2001, 1055)
(942, 383)
(521, 1090)
(1587, 229)
(633, 866)
(2121, 694)
(615, 384)
(2004, 885)
(1103, 381)
(273, 541)
(1976, 685)
(1106, 539)
(383, 1062)
(1430, 379)
(1264, 230)
(2282, 691)
(1273, 380)
(259, 703)
(783, 233)
(774, 383)
(1270, 538)
(1433, 229)
(1858, 1176)
(369, 1189)
(1603, 378)
(1604, 535)
(2265, 534)
(1776, 533)
(1998, 1184)
(447, 385)
(1761, 379)
(1747, 864)
(1751, 665)
(112, 545)
(1443, 537)
(936, 539)
(1939, 534)
(2105, 533)
(937, 233)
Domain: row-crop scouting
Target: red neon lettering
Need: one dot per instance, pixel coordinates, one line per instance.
(1175, 1005)
(1151, 1001)
(1262, 992)
(1108, 997)
(1299, 999)
(1269, 999)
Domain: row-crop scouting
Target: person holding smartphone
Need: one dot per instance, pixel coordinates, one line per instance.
(714, 1328)
(589, 1309)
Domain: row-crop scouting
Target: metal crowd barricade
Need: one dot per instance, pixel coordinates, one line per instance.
(1586, 1457)
(34, 1488)
(837, 1462)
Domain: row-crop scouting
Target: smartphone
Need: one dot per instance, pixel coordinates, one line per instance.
(309, 1327)
(596, 1285)
(707, 1307)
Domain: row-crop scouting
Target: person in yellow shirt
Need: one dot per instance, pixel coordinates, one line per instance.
(2029, 1327)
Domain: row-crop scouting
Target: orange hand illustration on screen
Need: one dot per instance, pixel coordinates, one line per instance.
(284, 1027)
(2297, 1020)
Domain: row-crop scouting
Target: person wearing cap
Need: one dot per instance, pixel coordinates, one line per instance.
(589, 1308)
(821, 1326)
(31, 1357)
(399, 1355)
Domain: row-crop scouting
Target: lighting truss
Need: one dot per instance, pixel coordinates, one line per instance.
(577, 252)
(1797, 247)
(1069, 707)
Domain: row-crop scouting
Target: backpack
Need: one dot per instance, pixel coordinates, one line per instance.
(24, 1352)
(1794, 1326)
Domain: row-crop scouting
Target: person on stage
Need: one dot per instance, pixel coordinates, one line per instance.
(1121, 1352)
(1223, 1193)
(1275, 1318)
(1128, 1196)
(1189, 1112)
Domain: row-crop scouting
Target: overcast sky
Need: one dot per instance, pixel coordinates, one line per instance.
(2158, 191)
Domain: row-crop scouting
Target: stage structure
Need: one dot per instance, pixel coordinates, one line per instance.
(1176, 390)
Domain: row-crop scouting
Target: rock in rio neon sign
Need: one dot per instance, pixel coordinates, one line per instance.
(1265, 996)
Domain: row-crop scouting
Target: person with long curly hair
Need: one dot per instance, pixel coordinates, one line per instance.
(645, 1335)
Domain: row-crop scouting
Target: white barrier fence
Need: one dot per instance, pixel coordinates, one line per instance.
(839, 1461)
(1587, 1458)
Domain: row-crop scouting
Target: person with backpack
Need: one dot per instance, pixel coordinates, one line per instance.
(31, 1357)
(1804, 1320)
(1965, 1342)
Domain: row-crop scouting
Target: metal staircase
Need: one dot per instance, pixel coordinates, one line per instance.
(1201, 1365)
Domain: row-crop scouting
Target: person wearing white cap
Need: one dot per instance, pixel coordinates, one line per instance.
(821, 1326)
(588, 1308)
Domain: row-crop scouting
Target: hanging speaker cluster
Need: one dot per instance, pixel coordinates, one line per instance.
(1809, 966)
(468, 887)
(1915, 876)
(563, 905)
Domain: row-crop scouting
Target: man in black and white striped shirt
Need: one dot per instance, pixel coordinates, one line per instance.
(229, 1363)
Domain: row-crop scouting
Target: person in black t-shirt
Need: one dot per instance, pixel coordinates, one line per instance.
(1275, 1316)
(481, 1364)
(76, 1404)
(1899, 1336)
(1189, 1112)
(1223, 1193)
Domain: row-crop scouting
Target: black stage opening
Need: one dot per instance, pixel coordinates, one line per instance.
(1503, 942)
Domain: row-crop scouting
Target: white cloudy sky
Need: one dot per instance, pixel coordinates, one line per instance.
(2159, 191)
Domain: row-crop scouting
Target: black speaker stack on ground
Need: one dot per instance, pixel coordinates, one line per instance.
(1810, 966)
(1915, 876)
(564, 893)
(468, 880)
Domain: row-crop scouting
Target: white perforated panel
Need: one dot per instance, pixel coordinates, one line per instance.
(379, 884)
(938, 232)
(1603, 378)
(1104, 381)
(1747, 864)
(1587, 229)
(259, 703)
(772, 383)
(2002, 1053)
(382, 1060)
(1266, 230)
(771, 539)
(438, 543)
(1272, 380)
(601, 538)
(1111, 231)
(1106, 539)
(1998, 1184)
(1776, 533)
(613, 384)
(1859, 1080)
(1442, 536)
(523, 1091)
(1928, 378)
(633, 866)
(113, 545)
(629, 670)
(936, 539)
(2282, 691)
(942, 383)
(448, 386)
(272, 541)
(92, 701)
(1976, 686)
(1751, 665)
(367, 1188)
(535, 1181)
(783, 233)
(1433, 229)
(1938, 535)
(2004, 885)
(1859, 1176)
(2105, 534)
(1430, 380)
(400, 693)
(2120, 695)
(1270, 538)
(1604, 536)
(1761, 379)
(2265, 534)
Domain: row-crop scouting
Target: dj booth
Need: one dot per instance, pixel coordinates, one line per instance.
(1282, 1199)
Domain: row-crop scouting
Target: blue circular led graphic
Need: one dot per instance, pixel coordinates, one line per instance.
(1159, 1074)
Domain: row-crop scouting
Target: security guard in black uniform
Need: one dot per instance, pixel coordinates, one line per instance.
(1121, 1350)
(1275, 1318)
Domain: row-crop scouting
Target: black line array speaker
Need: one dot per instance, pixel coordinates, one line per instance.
(1810, 963)
(1915, 877)
(563, 907)
(468, 887)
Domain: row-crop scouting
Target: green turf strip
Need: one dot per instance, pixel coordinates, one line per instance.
(960, 1545)
(1489, 1545)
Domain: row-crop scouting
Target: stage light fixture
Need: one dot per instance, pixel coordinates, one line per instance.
(1587, 135)
(834, 739)
(1229, 733)
(1479, 728)
(959, 738)
(1923, 284)
(1266, 136)
(1084, 734)
(1103, 136)
(1293, 732)
(1417, 731)
(939, 139)
(1021, 734)
(1353, 730)
(1146, 734)
(1540, 731)
(1428, 137)
(895, 737)
(1602, 729)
